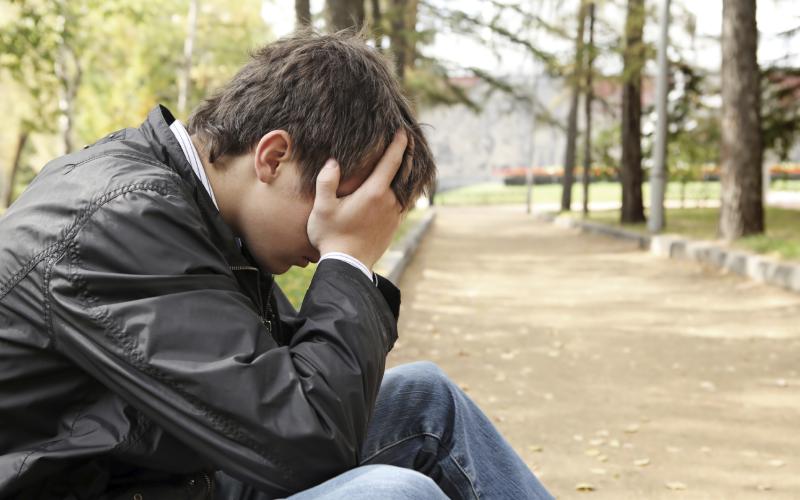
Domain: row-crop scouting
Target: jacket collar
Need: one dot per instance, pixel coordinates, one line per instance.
(166, 149)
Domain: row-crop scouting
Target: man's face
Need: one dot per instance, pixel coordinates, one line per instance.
(275, 218)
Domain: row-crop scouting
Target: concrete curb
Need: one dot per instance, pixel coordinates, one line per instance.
(396, 259)
(713, 254)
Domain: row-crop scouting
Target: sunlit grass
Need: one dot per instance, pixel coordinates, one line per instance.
(781, 240)
(295, 281)
(496, 193)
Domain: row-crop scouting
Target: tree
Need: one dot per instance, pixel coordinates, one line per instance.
(302, 11)
(572, 118)
(344, 14)
(631, 168)
(185, 74)
(587, 136)
(742, 211)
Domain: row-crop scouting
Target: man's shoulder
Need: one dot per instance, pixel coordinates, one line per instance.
(71, 188)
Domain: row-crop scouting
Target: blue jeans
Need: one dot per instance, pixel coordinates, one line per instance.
(426, 440)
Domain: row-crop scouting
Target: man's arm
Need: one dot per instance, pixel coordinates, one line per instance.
(146, 305)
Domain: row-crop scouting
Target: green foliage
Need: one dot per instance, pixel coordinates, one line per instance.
(780, 110)
(127, 54)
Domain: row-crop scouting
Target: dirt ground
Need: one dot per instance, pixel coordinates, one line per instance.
(614, 374)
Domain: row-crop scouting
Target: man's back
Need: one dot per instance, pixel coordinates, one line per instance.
(54, 413)
(138, 340)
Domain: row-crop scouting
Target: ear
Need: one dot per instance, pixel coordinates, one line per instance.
(272, 150)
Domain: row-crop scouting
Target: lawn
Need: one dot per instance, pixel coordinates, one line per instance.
(294, 282)
(781, 240)
(495, 193)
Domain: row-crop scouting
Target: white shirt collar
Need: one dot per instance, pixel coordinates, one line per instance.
(189, 151)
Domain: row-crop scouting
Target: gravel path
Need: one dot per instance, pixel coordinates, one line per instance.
(613, 373)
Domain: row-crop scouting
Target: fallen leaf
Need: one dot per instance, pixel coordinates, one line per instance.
(632, 429)
(596, 441)
(675, 485)
(592, 452)
(763, 487)
(641, 462)
(584, 487)
(602, 458)
(602, 433)
(598, 471)
(577, 437)
(535, 448)
(705, 449)
(776, 463)
(614, 443)
(673, 449)
(707, 385)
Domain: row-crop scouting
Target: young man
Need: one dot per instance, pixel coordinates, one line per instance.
(145, 351)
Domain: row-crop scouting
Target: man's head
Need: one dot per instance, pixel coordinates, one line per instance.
(296, 103)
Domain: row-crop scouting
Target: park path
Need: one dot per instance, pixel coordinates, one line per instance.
(608, 367)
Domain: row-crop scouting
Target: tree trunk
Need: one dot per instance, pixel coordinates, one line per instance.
(631, 172)
(403, 15)
(344, 14)
(377, 28)
(68, 71)
(742, 211)
(8, 190)
(572, 119)
(185, 76)
(587, 136)
(302, 12)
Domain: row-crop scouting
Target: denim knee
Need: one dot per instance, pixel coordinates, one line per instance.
(397, 483)
(421, 373)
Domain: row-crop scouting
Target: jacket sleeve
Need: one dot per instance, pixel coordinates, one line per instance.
(143, 302)
(290, 321)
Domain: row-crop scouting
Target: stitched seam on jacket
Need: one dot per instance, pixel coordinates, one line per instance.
(72, 229)
(134, 356)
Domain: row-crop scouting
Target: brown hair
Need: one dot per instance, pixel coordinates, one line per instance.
(333, 94)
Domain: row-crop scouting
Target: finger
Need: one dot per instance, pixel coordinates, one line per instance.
(327, 183)
(387, 167)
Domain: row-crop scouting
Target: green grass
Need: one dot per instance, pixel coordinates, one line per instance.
(781, 240)
(295, 281)
(494, 193)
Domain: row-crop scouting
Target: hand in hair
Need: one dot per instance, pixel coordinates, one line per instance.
(362, 223)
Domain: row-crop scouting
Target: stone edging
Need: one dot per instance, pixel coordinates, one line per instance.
(396, 259)
(757, 267)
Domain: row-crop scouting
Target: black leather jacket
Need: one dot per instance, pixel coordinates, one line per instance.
(140, 344)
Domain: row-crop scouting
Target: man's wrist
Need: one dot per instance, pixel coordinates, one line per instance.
(344, 257)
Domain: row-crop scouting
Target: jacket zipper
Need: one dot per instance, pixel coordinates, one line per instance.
(266, 307)
(209, 486)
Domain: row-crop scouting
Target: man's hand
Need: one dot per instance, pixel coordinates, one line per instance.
(362, 223)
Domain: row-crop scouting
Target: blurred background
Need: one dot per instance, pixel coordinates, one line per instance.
(516, 93)
(612, 372)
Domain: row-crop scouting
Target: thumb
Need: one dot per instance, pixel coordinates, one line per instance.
(327, 183)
